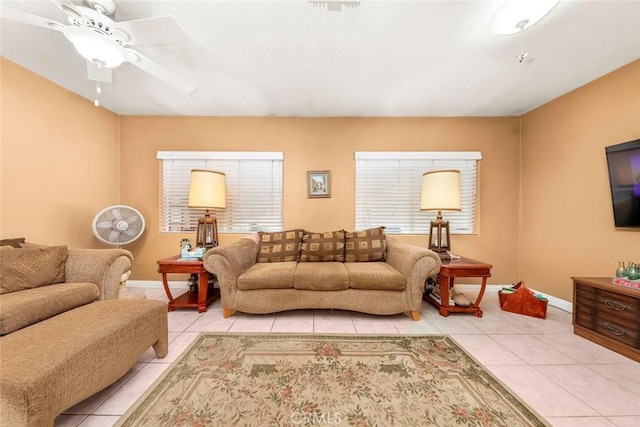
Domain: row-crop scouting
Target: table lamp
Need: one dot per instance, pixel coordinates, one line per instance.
(207, 190)
(440, 192)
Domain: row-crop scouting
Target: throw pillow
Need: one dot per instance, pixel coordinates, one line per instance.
(320, 247)
(14, 243)
(31, 268)
(281, 246)
(366, 245)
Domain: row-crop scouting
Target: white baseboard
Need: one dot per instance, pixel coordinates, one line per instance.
(156, 284)
(553, 301)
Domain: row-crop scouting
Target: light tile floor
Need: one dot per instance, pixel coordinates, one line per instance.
(568, 380)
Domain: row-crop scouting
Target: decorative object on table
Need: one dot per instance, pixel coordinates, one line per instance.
(622, 281)
(328, 380)
(207, 191)
(522, 300)
(120, 225)
(632, 271)
(189, 253)
(621, 271)
(318, 184)
(440, 192)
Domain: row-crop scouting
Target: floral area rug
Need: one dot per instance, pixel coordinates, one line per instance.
(327, 380)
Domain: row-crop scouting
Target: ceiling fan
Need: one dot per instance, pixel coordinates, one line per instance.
(105, 43)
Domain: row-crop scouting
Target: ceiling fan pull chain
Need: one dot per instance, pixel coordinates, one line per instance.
(522, 24)
(96, 102)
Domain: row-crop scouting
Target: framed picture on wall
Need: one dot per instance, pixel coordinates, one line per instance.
(318, 184)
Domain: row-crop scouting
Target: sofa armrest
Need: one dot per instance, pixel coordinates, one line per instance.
(228, 262)
(104, 267)
(416, 264)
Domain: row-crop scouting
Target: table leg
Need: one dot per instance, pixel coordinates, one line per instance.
(203, 289)
(165, 283)
(445, 284)
(478, 311)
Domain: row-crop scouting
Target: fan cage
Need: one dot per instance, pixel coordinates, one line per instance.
(118, 225)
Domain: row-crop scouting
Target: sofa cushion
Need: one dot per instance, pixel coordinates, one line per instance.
(366, 245)
(24, 308)
(322, 247)
(281, 246)
(14, 243)
(375, 275)
(32, 267)
(326, 276)
(274, 275)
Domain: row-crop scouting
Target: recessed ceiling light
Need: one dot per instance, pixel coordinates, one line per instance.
(517, 15)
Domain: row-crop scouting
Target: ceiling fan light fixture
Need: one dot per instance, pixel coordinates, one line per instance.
(510, 17)
(96, 47)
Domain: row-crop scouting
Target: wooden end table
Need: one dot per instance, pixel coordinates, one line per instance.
(189, 299)
(463, 267)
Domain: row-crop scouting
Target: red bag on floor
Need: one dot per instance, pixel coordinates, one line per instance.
(523, 301)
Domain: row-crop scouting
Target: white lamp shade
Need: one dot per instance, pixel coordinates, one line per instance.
(440, 191)
(207, 190)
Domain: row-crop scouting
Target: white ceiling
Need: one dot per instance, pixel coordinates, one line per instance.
(382, 58)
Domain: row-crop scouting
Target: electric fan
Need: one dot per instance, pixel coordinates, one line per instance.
(118, 225)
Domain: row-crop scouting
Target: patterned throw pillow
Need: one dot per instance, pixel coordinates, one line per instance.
(281, 246)
(30, 268)
(366, 245)
(14, 243)
(318, 247)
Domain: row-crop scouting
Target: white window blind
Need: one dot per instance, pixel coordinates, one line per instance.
(389, 184)
(254, 190)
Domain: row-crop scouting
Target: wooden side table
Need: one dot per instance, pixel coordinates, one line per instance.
(189, 299)
(463, 267)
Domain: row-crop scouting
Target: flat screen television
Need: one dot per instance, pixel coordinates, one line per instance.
(623, 161)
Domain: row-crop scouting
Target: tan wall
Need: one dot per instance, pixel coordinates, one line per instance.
(328, 143)
(567, 218)
(59, 160)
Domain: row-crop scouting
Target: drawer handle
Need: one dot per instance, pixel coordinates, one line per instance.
(615, 305)
(619, 332)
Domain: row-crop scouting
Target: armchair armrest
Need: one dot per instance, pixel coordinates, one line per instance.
(104, 267)
(228, 262)
(416, 264)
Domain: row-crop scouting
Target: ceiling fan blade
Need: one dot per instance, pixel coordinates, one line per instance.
(29, 18)
(159, 72)
(156, 30)
(69, 8)
(102, 74)
(105, 224)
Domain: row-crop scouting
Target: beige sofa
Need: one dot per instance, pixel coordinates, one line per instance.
(64, 335)
(389, 282)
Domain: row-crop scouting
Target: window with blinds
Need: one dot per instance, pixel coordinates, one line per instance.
(389, 185)
(254, 190)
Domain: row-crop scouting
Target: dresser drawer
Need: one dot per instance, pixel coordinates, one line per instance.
(585, 295)
(623, 332)
(585, 316)
(622, 307)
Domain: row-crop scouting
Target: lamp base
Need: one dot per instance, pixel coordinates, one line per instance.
(207, 232)
(439, 237)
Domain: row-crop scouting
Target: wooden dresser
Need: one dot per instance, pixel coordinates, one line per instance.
(607, 314)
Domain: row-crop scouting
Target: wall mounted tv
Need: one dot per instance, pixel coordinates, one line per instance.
(623, 161)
